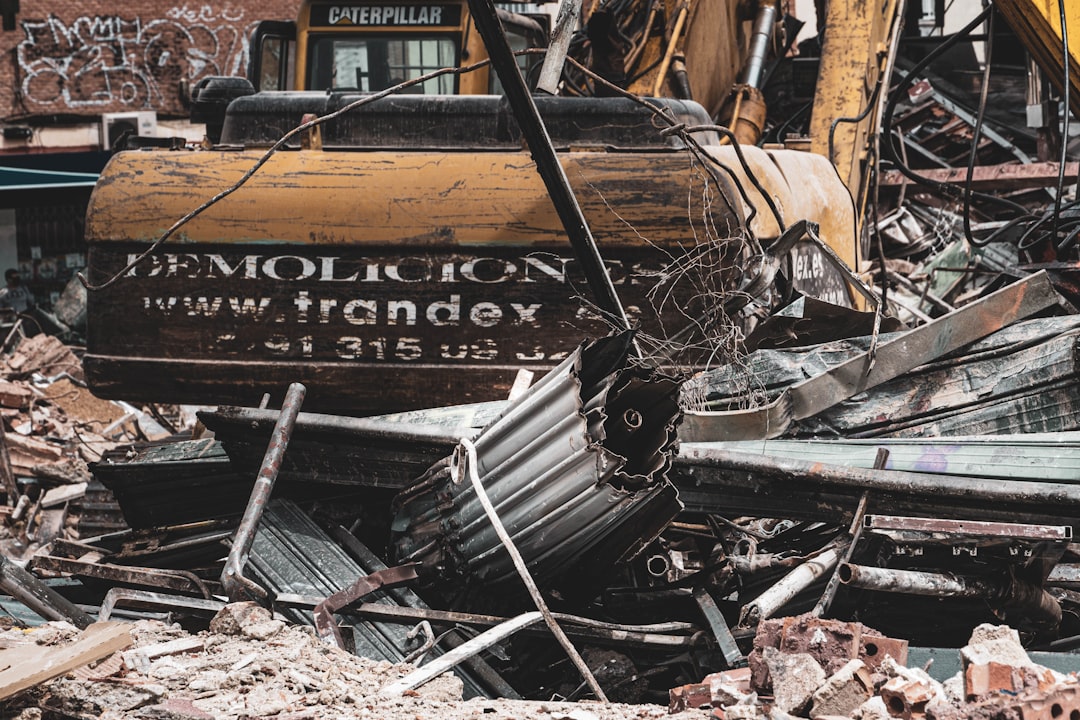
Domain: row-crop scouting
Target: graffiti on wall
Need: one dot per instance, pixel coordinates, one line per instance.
(110, 61)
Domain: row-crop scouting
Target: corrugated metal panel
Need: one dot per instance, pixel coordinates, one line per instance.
(565, 466)
(1020, 379)
(291, 554)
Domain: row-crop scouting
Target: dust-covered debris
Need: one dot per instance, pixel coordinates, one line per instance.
(242, 668)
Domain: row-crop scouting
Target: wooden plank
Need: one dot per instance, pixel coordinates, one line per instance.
(62, 494)
(24, 667)
(1008, 176)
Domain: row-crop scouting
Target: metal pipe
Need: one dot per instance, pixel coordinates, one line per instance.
(1031, 601)
(765, 605)
(233, 581)
(910, 582)
(547, 162)
(724, 639)
(754, 68)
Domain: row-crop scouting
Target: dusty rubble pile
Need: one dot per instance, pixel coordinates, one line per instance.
(247, 665)
(250, 664)
(53, 427)
(808, 667)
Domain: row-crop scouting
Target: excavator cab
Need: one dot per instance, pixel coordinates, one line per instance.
(368, 47)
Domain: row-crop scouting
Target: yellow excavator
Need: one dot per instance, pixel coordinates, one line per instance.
(406, 253)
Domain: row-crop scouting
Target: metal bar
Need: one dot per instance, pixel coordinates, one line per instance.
(547, 163)
(146, 600)
(39, 597)
(1064, 575)
(584, 628)
(565, 22)
(900, 482)
(970, 528)
(728, 647)
(855, 531)
(364, 585)
(232, 576)
(446, 662)
(1006, 176)
(669, 53)
(926, 342)
(177, 580)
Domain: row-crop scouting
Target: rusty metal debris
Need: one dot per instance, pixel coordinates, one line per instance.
(828, 420)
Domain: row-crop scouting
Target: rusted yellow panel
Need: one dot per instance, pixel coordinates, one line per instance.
(714, 49)
(1038, 23)
(438, 198)
(417, 198)
(855, 42)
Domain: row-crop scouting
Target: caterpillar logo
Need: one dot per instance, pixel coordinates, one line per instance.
(386, 15)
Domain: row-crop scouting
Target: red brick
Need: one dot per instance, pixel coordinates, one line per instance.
(906, 698)
(738, 679)
(876, 647)
(686, 697)
(989, 679)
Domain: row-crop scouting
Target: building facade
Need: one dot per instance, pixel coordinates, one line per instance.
(78, 74)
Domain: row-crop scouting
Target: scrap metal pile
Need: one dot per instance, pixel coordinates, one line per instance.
(864, 512)
(924, 488)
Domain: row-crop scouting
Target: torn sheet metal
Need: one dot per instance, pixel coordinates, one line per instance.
(576, 470)
(334, 449)
(894, 357)
(291, 554)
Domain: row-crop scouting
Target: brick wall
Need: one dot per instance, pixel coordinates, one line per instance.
(85, 57)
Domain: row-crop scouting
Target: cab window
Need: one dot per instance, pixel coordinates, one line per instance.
(375, 63)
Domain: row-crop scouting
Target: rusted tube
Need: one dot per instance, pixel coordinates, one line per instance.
(780, 594)
(236, 586)
(1064, 575)
(908, 582)
(1033, 602)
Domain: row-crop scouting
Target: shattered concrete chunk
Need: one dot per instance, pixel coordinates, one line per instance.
(844, 692)
(795, 677)
(246, 618)
(995, 643)
(873, 709)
